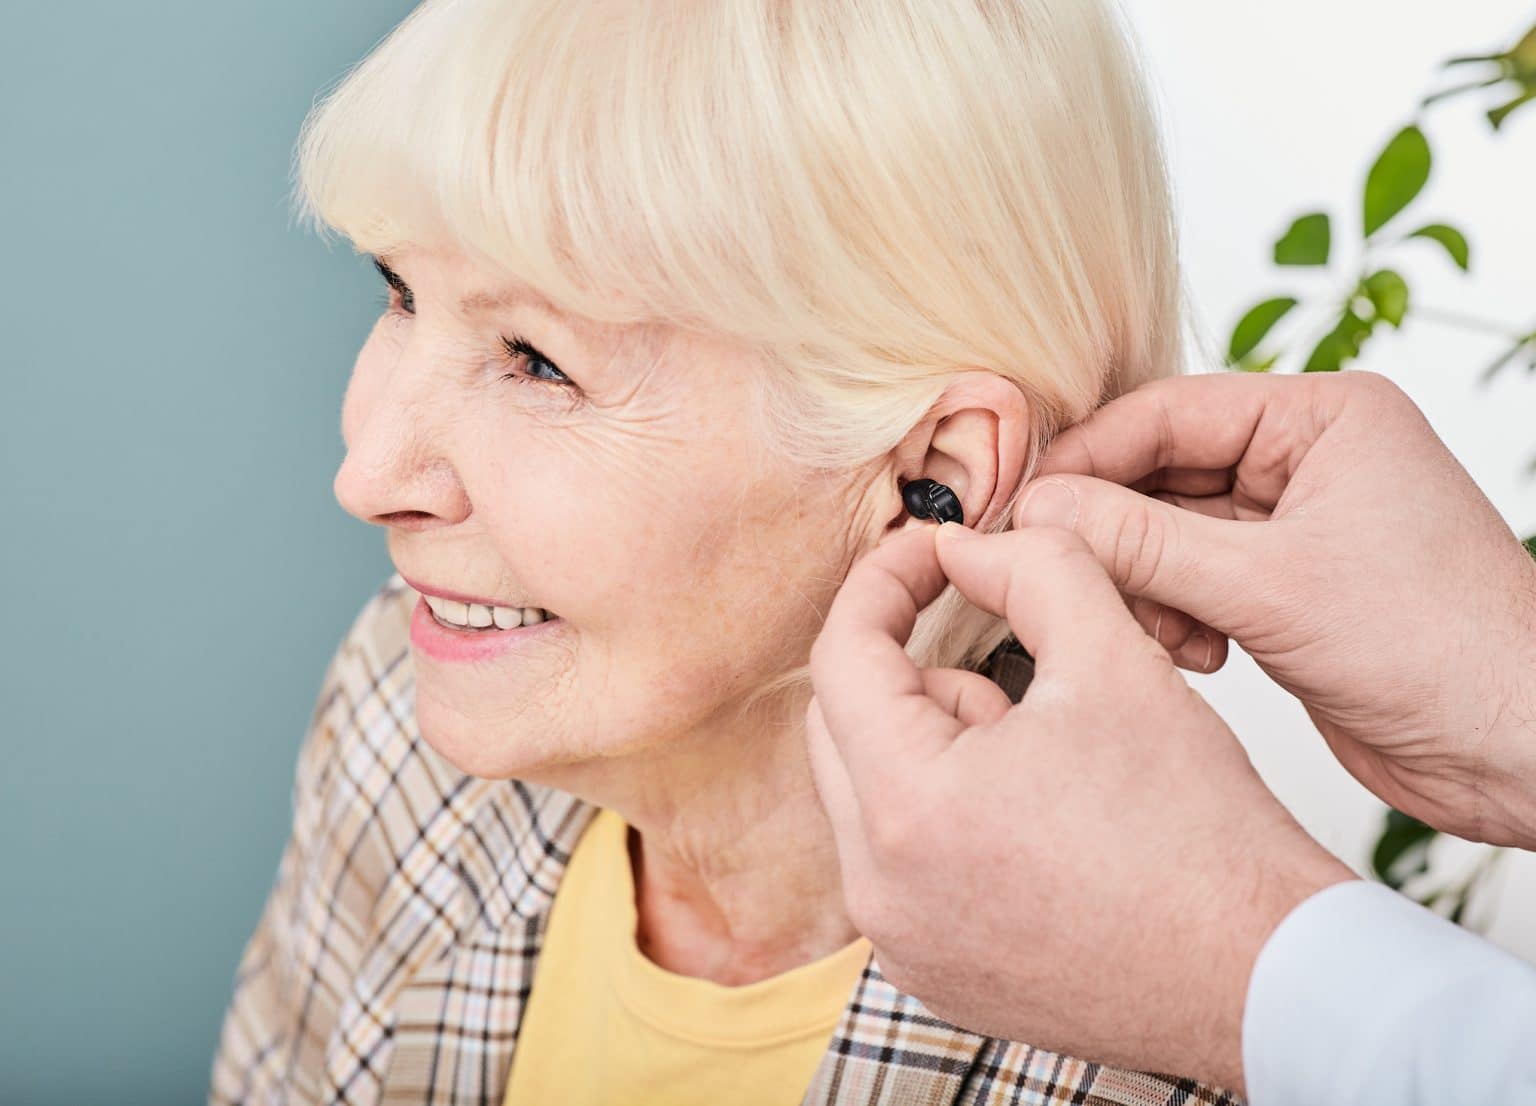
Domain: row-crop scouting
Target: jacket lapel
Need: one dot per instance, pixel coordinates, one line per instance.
(459, 1016)
(889, 1050)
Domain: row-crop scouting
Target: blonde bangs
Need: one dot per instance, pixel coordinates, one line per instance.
(585, 148)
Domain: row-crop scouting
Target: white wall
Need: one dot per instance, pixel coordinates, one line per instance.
(1276, 109)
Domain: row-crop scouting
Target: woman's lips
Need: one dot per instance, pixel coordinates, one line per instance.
(446, 643)
(456, 596)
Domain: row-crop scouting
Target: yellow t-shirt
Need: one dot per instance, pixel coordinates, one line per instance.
(605, 1026)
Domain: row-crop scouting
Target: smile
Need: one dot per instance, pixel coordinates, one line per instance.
(477, 616)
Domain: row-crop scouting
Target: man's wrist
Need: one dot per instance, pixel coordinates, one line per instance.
(1510, 791)
(1308, 873)
(1508, 776)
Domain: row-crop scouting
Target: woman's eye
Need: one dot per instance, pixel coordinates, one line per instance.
(406, 304)
(536, 365)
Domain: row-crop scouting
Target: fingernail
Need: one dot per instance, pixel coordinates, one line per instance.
(1051, 503)
(1210, 648)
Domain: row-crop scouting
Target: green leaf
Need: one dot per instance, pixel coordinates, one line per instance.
(1402, 851)
(1307, 242)
(1252, 327)
(1399, 175)
(1453, 240)
(1389, 293)
(1353, 331)
(1328, 356)
(1530, 545)
(1340, 344)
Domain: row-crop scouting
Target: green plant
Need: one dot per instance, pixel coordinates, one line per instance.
(1373, 294)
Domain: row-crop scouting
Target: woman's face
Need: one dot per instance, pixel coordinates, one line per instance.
(621, 488)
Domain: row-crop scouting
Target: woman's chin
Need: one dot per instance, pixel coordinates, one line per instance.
(478, 748)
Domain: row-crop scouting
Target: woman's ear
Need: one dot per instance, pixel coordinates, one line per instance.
(976, 439)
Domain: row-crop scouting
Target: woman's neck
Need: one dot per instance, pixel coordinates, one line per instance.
(736, 870)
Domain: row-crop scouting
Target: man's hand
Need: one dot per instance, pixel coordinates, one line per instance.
(1061, 870)
(1319, 523)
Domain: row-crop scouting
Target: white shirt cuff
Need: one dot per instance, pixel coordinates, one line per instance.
(1362, 997)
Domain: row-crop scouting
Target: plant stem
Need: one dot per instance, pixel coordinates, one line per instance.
(1466, 322)
(1460, 895)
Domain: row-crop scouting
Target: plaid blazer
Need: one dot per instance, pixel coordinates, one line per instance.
(397, 947)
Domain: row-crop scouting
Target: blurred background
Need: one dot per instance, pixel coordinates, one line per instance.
(176, 573)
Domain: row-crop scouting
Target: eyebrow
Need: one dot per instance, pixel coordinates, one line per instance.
(476, 301)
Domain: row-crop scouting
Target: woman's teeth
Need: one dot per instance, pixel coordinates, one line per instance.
(477, 616)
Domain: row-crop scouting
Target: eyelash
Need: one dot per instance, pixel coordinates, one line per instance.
(515, 346)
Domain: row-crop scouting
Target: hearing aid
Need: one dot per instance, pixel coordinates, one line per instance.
(929, 499)
(1009, 664)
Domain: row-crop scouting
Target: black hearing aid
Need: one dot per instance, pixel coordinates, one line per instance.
(930, 499)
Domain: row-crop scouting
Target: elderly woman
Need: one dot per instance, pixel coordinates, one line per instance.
(681, 294)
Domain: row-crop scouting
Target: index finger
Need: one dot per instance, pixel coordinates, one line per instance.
(1206, 422)
(870, 692)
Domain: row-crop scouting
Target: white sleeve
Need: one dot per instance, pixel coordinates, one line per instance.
(1362, 997)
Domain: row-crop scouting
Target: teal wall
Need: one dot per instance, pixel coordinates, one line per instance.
(174, 572)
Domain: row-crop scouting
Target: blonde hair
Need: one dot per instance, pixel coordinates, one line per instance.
(870, 194)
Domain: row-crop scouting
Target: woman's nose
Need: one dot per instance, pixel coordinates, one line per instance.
(397, 471)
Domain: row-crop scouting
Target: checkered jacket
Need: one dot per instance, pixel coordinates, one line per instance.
(396, 951)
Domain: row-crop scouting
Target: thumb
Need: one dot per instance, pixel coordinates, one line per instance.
(1182, 559)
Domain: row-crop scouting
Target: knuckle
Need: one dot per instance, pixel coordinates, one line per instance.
(1165, 385)
(1372, 383)
(1376, 393)
(1138, 546)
